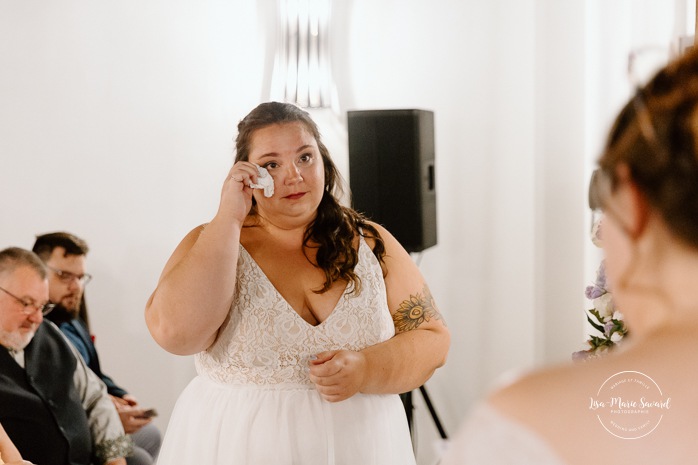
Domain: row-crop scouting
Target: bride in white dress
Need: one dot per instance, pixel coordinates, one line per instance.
(637, 404)
(306, 319)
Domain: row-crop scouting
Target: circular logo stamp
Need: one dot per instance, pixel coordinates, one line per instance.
(629, 405)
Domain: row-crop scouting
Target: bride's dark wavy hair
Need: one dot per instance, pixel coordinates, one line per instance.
(334, 228)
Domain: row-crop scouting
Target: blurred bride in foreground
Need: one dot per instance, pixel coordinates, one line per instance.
(638, 404)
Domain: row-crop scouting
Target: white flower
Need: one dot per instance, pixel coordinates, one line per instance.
(617, 316)
(616, 336)
(604, 305)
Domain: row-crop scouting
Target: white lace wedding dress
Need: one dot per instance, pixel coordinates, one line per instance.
(252, 401)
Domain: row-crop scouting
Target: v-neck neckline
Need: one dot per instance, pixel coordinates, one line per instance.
(336, 307)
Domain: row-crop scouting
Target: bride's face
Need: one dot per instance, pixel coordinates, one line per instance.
(290, 153)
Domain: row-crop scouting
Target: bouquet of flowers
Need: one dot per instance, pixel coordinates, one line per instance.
(603, 317)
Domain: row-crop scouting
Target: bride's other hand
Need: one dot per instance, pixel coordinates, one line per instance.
(338, 375)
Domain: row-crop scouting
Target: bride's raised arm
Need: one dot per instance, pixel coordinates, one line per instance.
(195, 290)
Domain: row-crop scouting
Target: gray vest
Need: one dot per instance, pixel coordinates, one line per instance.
(39, 407)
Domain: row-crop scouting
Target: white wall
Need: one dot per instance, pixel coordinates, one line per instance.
(117, 120)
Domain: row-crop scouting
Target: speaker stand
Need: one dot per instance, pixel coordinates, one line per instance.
(409, 410)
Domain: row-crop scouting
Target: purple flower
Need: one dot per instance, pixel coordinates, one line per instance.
(608, 328)
(597, 289)
(593, 292)
(603, 317)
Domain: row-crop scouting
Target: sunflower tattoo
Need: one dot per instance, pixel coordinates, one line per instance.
(415, 311)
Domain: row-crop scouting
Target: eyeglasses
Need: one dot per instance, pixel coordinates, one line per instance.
(67, 276)
(31, 307)
(600, 191)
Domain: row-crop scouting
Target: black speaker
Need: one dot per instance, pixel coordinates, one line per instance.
(391, 172)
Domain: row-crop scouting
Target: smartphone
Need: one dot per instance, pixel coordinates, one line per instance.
(148, 413)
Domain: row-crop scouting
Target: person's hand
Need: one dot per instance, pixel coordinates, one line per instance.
(130, 414)
(119, 461)
(131, 417)
(338, 375)
(123, 402)
(236, 195)
(130, 400)
(19, 462)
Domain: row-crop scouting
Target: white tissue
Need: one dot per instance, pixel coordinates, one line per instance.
(264, 181)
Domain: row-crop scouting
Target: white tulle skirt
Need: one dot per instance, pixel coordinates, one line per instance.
(217, 424)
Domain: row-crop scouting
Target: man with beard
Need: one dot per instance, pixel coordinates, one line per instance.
(64, 255)
(54, 409)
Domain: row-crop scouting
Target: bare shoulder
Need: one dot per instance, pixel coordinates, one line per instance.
(196, 232)
(527, 391)
(568, 386)
(564, 403)
(188, 241)
(182, 248)
(401, 272)
(395, 257)
(393, 249)
(540, 401)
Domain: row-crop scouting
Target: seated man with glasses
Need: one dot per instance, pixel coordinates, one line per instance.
(65, 255)
(53, 408)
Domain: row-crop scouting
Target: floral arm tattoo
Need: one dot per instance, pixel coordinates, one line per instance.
(415, 311)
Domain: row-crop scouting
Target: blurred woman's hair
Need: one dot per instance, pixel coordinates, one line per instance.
(656, 137)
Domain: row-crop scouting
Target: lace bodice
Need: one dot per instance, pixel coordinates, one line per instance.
(265, 342)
